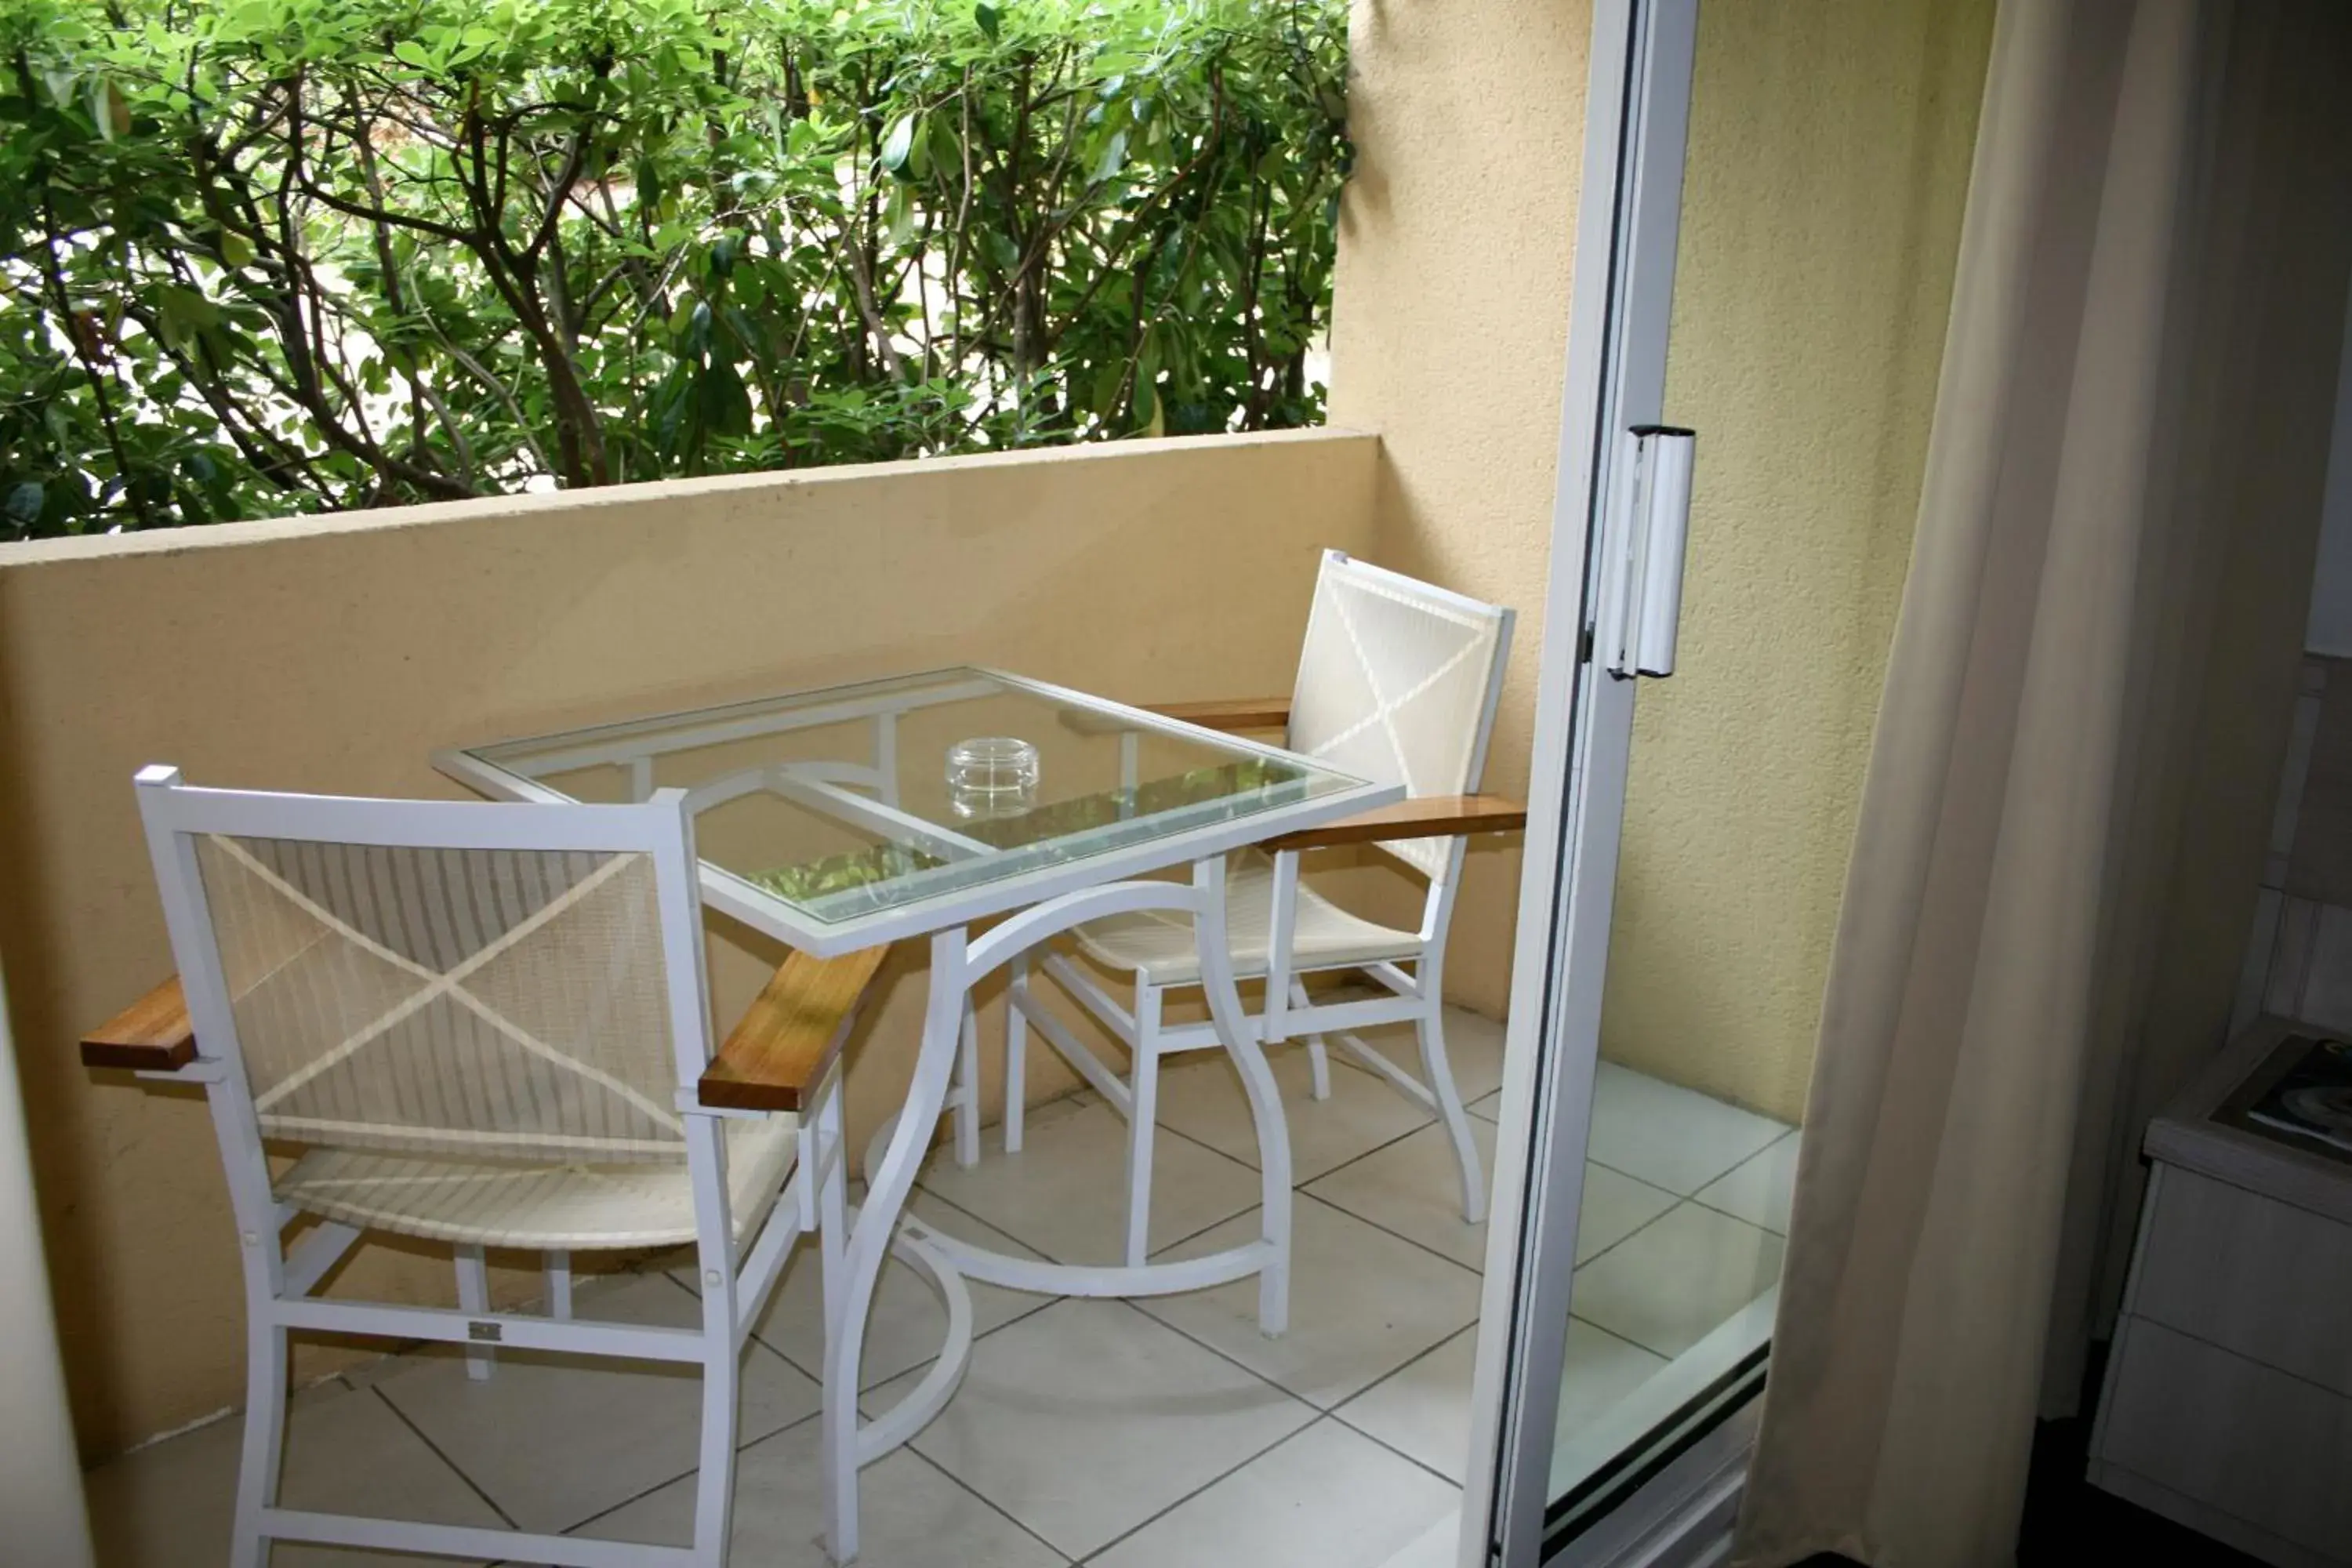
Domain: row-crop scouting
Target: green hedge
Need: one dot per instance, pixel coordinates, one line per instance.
(273, 256)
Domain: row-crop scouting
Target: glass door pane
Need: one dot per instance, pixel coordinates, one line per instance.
(1822, 181)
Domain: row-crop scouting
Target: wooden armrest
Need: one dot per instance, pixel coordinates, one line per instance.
(1431, 817)
(1233, 714)
(789, 1037)
(151, 1035)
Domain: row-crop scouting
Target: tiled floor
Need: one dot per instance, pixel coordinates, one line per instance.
(1124, 1435)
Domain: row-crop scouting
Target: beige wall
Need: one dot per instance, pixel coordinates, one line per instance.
(1829, 167)
(335, 654)
(1449, 333)
(1829, 146)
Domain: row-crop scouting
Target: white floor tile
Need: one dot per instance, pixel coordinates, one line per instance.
(1669, 1136)
(1758, 1190)
(1085, 1419)
(1362, 1303)
(1600, 1370)
(1491, 1107)
(1065, 1193)
(1615, 1206)
(555, 1440)
(1328, 1498)
(173, 1505)
(1676, 1278)
(1439, 1546)
(1424, 1410)
(1201, 1098)
(908, 1321)
(1473, 1047)
(1414, 1188)
(909, 1515)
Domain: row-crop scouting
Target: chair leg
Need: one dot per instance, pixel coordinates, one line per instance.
(1143, 1079)
(714, 1483)
(265, 1437)
(967, 1093)
(559, 1286)
(474, 1296)
(1319, 1058)
(1438, 1073)
(1016, 1053)
(832, 1208)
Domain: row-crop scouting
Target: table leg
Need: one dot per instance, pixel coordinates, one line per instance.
(889, 1182)
(1268, 1255)
(1241, 1041)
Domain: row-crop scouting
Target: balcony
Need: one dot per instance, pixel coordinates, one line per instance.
(336, 654)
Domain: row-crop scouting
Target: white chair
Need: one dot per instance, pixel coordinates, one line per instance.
(486, 1025)
(1397, 681)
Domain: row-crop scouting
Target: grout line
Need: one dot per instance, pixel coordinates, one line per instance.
(1576, 1267)
(740, 1450)
(1247, 1460)
(908, 1448)
(1423, 1466)
(1740, 1219)
(1409, 1241)
(1324, 1411)
(455, 1468)
(1338, 1411)
(1384, 1144)
(1628, 1339)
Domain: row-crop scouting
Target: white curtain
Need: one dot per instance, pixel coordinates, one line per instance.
(40, 1474)
(2061, 830)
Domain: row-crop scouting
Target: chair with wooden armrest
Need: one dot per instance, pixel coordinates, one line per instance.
(1397, 681)
(486, 1025)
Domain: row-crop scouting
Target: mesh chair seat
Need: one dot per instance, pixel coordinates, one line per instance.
(541, 1206)
(1160, 947)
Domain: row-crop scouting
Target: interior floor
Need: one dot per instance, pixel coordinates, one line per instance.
(1122, 1434)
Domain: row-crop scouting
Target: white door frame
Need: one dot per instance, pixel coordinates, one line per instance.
(1636, 117)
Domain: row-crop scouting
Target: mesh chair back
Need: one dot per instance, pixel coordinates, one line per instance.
(494, 1003)
(1396, 683)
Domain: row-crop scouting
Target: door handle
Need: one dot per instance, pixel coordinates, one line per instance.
(1642, 589)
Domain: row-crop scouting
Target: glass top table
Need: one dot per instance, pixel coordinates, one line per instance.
(842, 818)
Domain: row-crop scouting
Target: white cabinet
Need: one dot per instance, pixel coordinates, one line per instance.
(2228, 1402)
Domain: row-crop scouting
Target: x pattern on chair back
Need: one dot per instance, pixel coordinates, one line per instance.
(490, 1002)
(1396, 683)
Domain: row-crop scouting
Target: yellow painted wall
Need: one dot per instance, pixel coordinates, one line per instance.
(1830, 147)
(335, 654)
(1829, 167)
(1449, 332)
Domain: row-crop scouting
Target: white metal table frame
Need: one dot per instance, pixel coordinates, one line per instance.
(1052, 897)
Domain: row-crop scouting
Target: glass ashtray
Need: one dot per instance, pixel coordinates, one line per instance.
(991, 777)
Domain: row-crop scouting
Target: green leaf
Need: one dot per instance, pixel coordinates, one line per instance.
(899, 216)
(24, 505)
(985, 15)
(1113, 159)
(899, 143)
(410, 52)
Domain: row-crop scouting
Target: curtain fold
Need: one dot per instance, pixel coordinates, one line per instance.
(2086, 702)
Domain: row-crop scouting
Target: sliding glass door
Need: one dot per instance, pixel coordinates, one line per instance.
(1771, 212)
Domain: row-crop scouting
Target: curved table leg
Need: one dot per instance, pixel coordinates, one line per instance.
(1257, 1082)
(1268, 1255)
(889, 1183)
(882, 1224)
